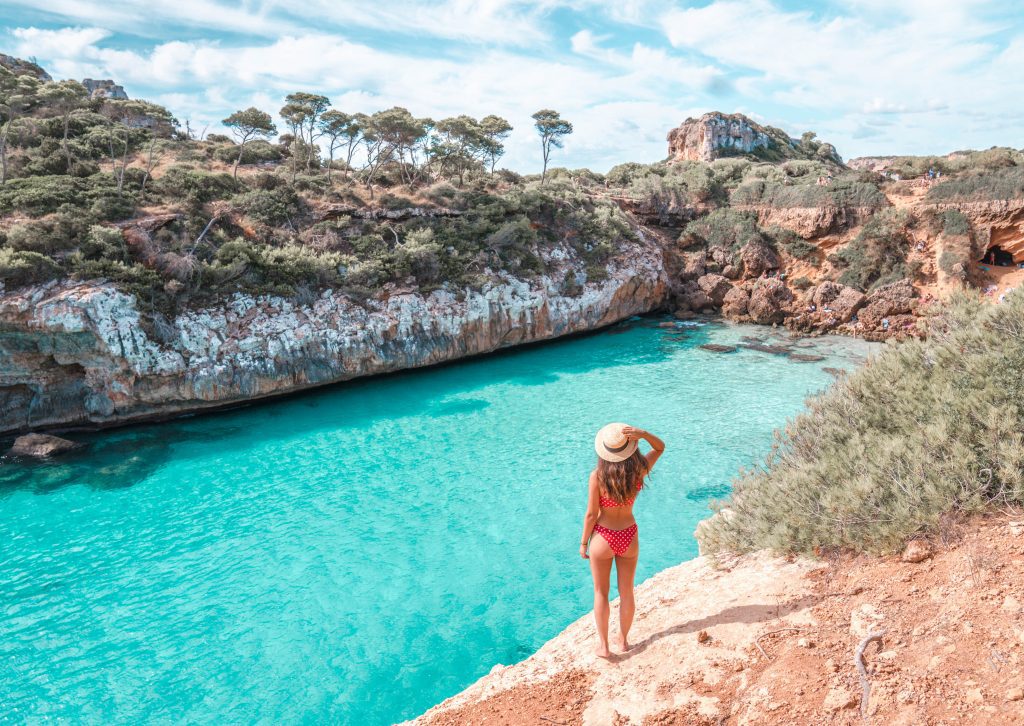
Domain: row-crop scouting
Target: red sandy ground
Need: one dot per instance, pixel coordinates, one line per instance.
(953, 651)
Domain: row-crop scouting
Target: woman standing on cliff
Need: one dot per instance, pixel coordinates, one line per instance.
(614, 484)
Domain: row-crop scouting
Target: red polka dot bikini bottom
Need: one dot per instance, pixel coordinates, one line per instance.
(618, 539)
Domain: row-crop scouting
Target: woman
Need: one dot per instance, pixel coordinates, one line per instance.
(614, 484)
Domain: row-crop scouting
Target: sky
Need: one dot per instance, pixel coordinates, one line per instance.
(870, 76)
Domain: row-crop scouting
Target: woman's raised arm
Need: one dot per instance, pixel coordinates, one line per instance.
(657, 445)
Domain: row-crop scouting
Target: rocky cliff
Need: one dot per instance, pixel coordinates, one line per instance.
(80, 355)
(104, 88)
(716, 134)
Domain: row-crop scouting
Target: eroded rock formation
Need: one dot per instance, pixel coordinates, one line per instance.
(105, 88)
(79, 354)
(714, 135)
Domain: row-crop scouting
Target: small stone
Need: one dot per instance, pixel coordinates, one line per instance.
(888, 655)
(738, 666)
(703, 637)
(40, 446)
(1015, 694)
(1011, 604)
(831, 666)
(935, 662)
(1017, 528)
(805, 643)
(974, 696)
(838, 699)
(917, 550)
(864, 619)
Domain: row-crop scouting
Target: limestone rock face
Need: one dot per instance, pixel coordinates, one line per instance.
(735, 303)
(41, 446)
(80, 353)
(715, 287)
(894, 299)
(769, 301)
(105, 88)
(758, 258)
(837, 301)
(714, 135)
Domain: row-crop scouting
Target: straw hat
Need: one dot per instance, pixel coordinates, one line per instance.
(612, 445)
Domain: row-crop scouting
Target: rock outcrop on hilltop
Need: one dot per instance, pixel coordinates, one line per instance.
(105, 88)
(22, 67)
(715, 135)
(77, 354)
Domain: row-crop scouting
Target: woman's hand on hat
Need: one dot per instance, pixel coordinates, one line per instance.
(632, 433)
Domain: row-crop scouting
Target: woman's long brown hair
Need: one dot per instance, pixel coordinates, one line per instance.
(621, 480)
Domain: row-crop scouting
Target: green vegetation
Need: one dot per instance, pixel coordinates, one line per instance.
(1005, 183)
(726, 228)
(844, 191)
(878, 254)
(926, 431)
(959, 162)
(303, 219)
(552, 129)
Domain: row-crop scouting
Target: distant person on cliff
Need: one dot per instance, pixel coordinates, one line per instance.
(614, 485)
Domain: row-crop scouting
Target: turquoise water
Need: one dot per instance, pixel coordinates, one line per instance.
(356, 554)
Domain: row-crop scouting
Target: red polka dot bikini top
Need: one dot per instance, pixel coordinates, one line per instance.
(605, 502)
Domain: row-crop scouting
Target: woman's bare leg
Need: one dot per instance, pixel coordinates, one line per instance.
(601, 558)
(625, 571)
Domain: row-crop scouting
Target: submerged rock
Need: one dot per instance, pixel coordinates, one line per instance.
(806, 357)
(718, 348)
(41, 446)
(764, 348)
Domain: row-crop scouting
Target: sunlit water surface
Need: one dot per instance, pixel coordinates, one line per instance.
(356, 554)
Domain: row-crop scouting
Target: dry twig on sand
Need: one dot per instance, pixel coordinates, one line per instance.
(858, 660)
(757, 640)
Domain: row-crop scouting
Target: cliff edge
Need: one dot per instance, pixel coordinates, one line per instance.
(80, 354)
(767, 640)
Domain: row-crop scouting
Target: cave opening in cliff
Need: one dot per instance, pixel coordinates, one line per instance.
(996, 255)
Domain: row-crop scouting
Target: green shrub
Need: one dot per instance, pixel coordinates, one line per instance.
(878, 254)
(182, 183)
(622, 175)
(271, 207)
(725, 227)
(842, 192)
(19, 267)
(926, 430)
(254, 152)
(1007, 183)
(39, 195)
(955, 222)
(948, 260)
(419, 256)
(795, 245)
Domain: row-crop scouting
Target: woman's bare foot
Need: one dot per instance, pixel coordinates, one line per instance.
(624, 644)
(603, 652)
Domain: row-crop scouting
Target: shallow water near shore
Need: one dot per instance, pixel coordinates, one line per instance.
(357, 554)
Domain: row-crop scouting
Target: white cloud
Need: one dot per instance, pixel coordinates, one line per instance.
(936, 58)
(65, 42)
(944, 72)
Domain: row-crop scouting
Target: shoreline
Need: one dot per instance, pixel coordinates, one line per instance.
(219, 407)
